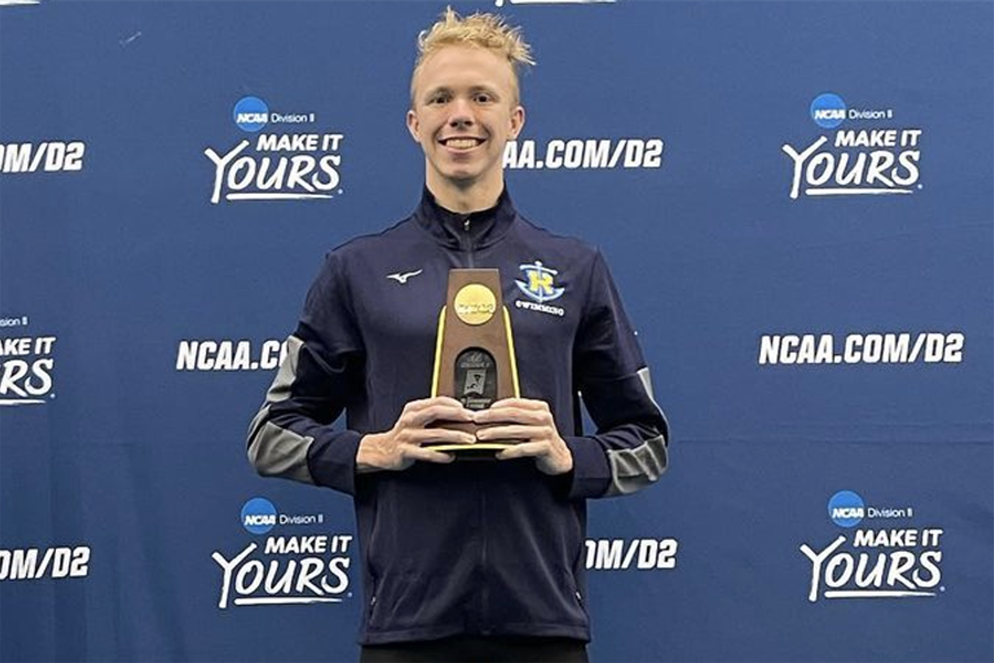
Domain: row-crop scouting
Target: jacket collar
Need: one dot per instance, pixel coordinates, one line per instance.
(450, 229)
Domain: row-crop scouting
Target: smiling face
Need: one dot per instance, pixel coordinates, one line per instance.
(464, 109)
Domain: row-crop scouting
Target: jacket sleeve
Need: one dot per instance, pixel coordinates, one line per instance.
(629, 451)
(292, 435)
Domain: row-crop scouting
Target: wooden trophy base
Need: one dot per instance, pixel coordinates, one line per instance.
(474, 353)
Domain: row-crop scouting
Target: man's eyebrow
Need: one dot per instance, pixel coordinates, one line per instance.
(485, 88)
(436, 90)
(489, 89)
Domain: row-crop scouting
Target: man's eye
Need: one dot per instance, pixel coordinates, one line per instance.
(438, 99)
(484, 98)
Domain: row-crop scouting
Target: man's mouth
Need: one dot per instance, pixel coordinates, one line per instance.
(462, 143)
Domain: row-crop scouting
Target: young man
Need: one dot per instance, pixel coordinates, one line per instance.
(465, 560)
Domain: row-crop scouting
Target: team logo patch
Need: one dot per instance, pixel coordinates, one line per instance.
(540, 283)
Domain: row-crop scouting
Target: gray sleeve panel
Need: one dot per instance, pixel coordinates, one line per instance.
(275, 451)
(634, 469)
(279, 390)
(646, 379)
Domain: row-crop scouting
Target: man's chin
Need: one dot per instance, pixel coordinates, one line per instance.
(463, 179)
(462, 176)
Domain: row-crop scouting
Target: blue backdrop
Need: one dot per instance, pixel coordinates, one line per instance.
(796, 202)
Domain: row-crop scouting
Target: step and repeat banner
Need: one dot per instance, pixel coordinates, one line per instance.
(796, 203)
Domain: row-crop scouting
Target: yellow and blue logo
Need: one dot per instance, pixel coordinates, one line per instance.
(540, 282)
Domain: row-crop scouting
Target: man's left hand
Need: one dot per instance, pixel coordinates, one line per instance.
(531, 422)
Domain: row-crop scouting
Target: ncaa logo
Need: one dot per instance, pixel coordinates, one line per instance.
(846, 508)
(251, 114)
(828, 110)
(258, 515)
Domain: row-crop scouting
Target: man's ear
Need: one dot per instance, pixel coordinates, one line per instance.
(413, 126)
(517, 121)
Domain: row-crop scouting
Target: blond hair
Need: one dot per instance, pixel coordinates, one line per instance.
(487, 31)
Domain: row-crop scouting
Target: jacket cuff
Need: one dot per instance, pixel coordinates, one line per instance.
(331, 460)
(591, 471)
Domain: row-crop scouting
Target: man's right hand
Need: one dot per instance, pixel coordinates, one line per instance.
(399, 447)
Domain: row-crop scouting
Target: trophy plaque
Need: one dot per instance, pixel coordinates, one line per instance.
(474, 352)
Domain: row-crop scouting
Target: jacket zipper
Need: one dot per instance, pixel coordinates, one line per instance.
(485, 589)
(469, 243)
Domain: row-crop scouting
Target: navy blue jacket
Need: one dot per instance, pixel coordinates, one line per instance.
(484, 548)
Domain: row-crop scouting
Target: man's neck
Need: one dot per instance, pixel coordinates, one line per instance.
(475, 198)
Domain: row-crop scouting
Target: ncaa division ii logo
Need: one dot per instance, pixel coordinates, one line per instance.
(828, 110)
(846, 508)
(902, 562)
(856, 156)
(310, 566)
(276, 164)
(251, 114)
(259, 515)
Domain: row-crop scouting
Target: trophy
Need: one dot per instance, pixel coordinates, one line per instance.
(474, 352)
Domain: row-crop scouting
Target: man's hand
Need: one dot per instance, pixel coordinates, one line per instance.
(399, 447)
(531, 422)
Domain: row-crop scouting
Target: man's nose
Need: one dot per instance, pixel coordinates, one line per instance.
(461, 114)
